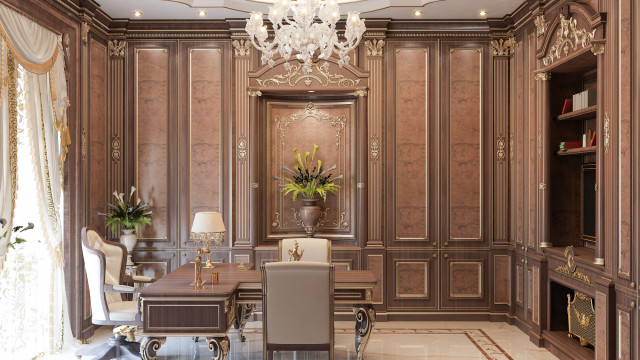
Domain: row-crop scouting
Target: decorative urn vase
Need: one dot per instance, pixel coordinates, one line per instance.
(129, 239)
(310, 213)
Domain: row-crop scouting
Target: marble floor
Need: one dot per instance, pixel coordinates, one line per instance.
(390, 340)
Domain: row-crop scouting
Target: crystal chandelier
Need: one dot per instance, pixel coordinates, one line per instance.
(300, 32)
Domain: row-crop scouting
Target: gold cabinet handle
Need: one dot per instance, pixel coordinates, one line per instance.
(434, 255)
(446, 243)
(435, 243)
(446, 255)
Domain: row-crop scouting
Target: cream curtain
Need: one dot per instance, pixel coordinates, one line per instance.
(43, 107)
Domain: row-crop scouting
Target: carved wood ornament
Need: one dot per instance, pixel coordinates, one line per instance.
(503, 47)
(568, 37)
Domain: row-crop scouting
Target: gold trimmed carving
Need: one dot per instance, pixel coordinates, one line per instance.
(607, 132)
(241, 47)
(254, 93)
(568, 37)
(115, 148)
(360, 185)
(242, 148)
(360, 93)
(310, 110)
(12, 94)
(319, 74)
(501, 148)
(542, 186)
(375, 148)
(502, 47)
(116, 48)
(541, 24)
(564, 270)
(343, 222)
(66, 41)
(276, 221)
(254, 185)
(374, 47)
(545, 76)
(597, 49)
(85, 31)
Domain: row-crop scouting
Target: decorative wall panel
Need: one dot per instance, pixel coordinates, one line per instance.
(412, 278)
(502, 279)
(465, 279)
(533, 153)
(624, 337)
(465, 144)
(241, 62)
(299, 125)
(97, 156)
(375, 263)
(411, 141)
(519, 135)
(205, 116)
(519, 285)
(151, 92)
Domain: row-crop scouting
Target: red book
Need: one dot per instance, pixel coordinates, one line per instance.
(570, 145)
(568, 106)
(593, 139)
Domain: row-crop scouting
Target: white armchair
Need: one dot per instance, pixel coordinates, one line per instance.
(304, 249)
(104, 263)
(297, 304)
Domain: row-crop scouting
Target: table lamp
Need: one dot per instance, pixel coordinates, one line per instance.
(208, 227)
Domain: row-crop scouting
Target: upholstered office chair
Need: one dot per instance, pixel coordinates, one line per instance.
(297, 303)
(104, 262)
(304, 249)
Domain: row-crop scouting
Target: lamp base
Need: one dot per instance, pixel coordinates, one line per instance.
(209, 264)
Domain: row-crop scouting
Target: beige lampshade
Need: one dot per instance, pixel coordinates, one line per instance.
(208, 222)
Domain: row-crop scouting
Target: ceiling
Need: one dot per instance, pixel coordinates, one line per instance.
(233, 9)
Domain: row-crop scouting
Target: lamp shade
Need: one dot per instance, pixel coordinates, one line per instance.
(207, 222)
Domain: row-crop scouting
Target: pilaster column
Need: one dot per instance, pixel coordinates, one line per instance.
(362, 171)
(115, 114)
(502, 50)
(241, 66)
(602, 146)
(544, 154)
(375, 111)
(254, 168)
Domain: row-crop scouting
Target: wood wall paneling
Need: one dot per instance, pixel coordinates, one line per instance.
(533, 143)
(468, 166)
(465, 280)
(520, 142)
(96, 136)
(152, 137)
(411, 140)
(501, 137)
(375, 263)
(412, 279)
(502, 279)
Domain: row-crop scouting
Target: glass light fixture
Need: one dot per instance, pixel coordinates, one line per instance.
(304, 27)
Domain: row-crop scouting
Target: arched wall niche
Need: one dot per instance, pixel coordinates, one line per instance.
(289, 108)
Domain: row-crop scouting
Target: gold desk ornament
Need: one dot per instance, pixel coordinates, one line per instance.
(215, 277)
(243, 266)
(581, 316)
(293, 252)
(198, 273)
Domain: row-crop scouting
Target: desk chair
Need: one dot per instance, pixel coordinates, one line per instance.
(104, 263)
(297, 303)
(304, 249)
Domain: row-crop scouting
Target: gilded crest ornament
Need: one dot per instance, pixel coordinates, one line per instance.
(541, 24)
(116, 48)
(374, 47)
(568, 37)
(295, 253)
(503, 47)
(241, 47)
(317, 73)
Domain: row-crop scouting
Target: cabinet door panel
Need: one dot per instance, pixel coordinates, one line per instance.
(412, 278)
(465, 279)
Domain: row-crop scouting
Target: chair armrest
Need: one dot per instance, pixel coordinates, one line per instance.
(120, 289)
(142, 279)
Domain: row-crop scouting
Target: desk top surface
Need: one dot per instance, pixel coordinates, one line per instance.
(178, 282)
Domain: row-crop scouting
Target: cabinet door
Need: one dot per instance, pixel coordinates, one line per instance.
(465, 278)
(412, 277)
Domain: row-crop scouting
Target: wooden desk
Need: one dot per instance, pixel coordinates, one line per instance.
(172, 307)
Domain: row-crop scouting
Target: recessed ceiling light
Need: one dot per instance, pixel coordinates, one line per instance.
(137, 13)
(483, 13)
(202, 13)
(417, 13)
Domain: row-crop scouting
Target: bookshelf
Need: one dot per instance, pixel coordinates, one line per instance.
(564, 193)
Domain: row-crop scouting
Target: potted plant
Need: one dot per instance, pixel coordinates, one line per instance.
(129, 216)
(5, 239)
(312, 183)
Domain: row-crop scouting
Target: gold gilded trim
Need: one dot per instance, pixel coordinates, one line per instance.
(374, 47)
(607, 132)
(541, 24)
(12, 93)
(565, 36)
(578, 275)
(543, 76)
(241, 47)
(116, 48)
(85, 32)
(253, 93)
(501, 148)
(318, 73)
(502, 47)
(597, 49)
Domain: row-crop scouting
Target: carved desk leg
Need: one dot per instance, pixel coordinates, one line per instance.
(243, 313)
(219, 346)
(365, 319)
(149, 347)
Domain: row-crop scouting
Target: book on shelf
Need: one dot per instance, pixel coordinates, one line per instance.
(584, 99)
(568, 106)
(593, 139)
(570, 145)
